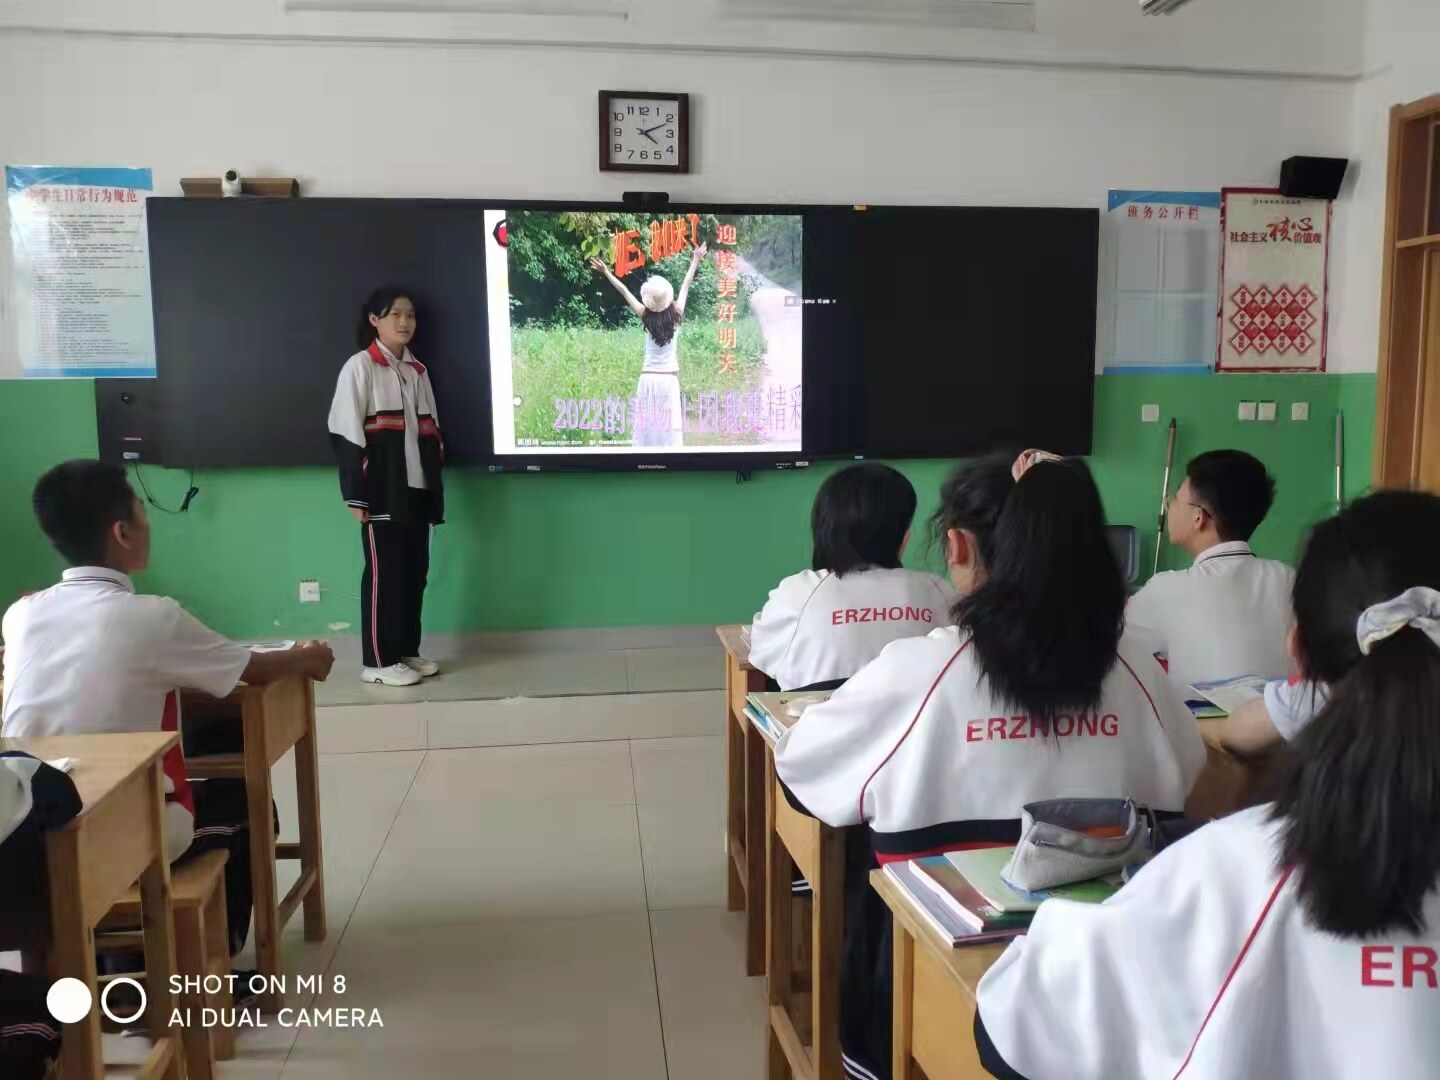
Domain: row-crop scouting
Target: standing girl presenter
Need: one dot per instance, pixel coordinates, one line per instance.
(387, 441)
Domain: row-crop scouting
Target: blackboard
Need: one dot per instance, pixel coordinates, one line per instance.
(256, 303)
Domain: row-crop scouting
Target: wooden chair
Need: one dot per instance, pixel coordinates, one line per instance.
(202, 948)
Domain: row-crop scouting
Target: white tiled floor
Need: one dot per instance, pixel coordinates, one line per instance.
(542, 664)
(524, 912)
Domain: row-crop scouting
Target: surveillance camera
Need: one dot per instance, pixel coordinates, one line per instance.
(230, 184)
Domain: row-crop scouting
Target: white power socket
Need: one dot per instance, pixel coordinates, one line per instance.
(309, 591)
(1266, 412)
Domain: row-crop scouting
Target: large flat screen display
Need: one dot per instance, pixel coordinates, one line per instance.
(659, 333)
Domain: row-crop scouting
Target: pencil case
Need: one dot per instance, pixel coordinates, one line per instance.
(1067, 840)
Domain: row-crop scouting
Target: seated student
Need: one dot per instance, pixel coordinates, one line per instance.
(1037, 693)
(1295, 941)
(34, 798)
(91, 655)
(826, 623)
(1226, 615)
(1257, 727)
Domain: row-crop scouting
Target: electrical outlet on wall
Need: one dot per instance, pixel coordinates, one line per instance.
(1266, 413)
(309, 591)
(1149, 414)
(1299, 410)
(1247, 410)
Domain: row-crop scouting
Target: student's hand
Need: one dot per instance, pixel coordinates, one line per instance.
(316, 659)
(361, 514)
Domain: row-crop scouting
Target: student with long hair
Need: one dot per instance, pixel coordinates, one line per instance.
(1295, 941)
(387, 441)
(661, 419)
(1036, 693)
(826, 623)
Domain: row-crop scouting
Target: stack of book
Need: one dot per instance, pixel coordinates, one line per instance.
(965, 898)
(1212, 700)
(773, 713)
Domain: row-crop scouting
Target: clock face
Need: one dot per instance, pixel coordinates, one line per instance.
(644, 133)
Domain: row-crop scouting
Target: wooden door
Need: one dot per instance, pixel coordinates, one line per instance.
(1407, 422)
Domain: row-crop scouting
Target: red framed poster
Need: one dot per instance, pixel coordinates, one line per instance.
(1274, 281)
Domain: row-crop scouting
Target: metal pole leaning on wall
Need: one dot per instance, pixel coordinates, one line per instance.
(1164, 499)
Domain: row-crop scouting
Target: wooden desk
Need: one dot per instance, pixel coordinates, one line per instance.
(804, 1036)
(94, 860)
(274, 718)
(745, 796)
(934, 1003)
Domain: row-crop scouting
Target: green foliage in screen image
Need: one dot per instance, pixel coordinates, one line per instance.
(559, 364)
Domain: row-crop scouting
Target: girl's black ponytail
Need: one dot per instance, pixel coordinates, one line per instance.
(1047, 617)
(1360, 800)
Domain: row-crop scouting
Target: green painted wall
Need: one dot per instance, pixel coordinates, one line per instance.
(525, 552)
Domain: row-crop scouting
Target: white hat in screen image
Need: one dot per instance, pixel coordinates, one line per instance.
(657, 294)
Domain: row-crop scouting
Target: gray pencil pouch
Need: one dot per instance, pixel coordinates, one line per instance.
(1067, 840)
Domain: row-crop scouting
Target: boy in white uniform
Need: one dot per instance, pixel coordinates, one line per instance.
(1037, 694)
(1296, 941)
(1227, 615)
(91, 655)
(826, 623)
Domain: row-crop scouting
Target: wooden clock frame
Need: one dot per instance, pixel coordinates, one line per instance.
(682, 164)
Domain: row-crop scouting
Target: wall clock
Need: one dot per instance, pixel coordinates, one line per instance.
(644, 132)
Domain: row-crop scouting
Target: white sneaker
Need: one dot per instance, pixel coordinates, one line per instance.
(422, 667)
(394, 675)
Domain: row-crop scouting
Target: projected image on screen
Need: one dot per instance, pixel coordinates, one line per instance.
(644, 333)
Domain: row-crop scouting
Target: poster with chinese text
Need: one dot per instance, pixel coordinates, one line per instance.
(81, 262)
(1161, 281)
(1273, 281)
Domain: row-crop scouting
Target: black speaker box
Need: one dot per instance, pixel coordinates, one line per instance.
(1312, 177)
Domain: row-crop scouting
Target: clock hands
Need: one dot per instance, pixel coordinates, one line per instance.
(646, 132)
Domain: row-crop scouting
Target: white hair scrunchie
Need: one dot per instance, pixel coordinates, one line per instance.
(1418, 607)
(1028, 458)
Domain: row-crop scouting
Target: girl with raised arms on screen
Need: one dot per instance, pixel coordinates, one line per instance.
(826, 623)
(1294, 941)
(1036, 693)
(661, 419)
(386, 435)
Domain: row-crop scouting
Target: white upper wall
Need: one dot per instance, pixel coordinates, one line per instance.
(1402, 63)
(1291, 36)
(188, 88)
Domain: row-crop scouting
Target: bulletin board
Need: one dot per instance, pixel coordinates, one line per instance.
(1274, 281)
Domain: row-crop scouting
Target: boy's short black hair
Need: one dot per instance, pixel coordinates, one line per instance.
(1235, 488)
(78, 503)
(860, 519)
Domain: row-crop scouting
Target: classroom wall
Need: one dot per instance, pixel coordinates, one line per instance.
(530, 552)
(359, 104)
(1280, 36)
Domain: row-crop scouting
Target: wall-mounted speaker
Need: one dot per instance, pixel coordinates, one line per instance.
(1312, 177)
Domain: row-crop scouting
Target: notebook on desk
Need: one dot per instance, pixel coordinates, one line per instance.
(773, 713)
(1221, 697)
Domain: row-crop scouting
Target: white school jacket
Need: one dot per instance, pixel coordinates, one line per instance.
(1204, 968)
(916, 746)
(1225, 616)
(819, 626)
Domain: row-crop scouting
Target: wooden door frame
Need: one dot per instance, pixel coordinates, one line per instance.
(1400, 395)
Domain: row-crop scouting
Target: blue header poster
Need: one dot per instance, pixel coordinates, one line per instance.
(81, 259)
